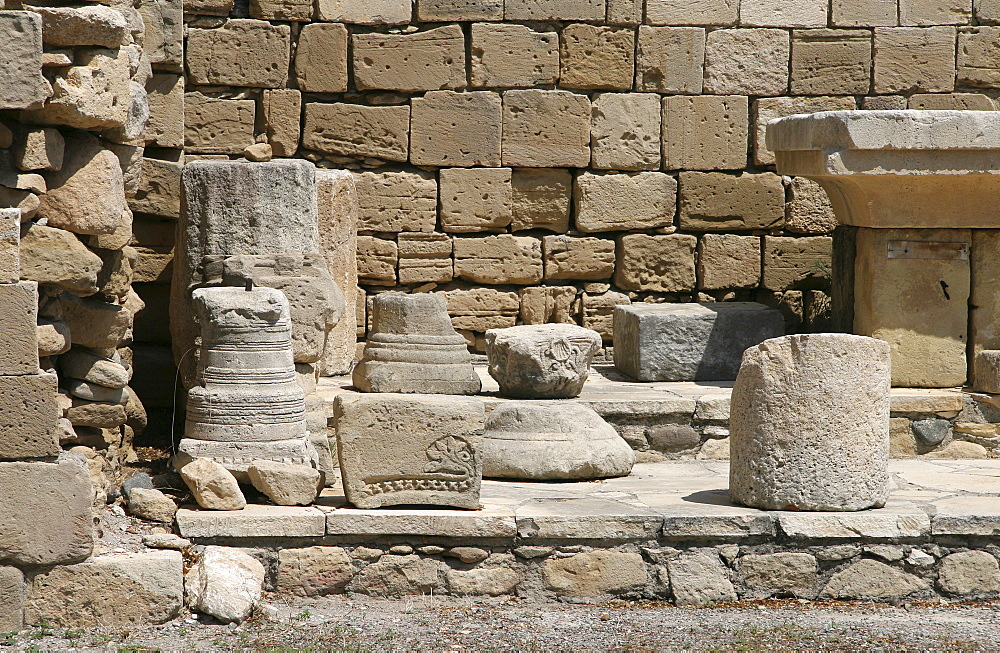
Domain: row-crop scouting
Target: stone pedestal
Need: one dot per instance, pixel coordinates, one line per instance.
(248, 404)
(541, 361)
(552, 441)
(809, 424)
(413, 347)
(913, 188)
(690, 342)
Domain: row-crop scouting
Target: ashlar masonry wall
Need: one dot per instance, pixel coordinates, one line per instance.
(544, 160)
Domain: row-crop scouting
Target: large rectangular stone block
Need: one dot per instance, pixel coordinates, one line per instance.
(692, 12)
(163, 40)
(337, 201)
(10, 245)
(747, 62)
(827, 61)
(425, 258)
(165, 95)
(624, 12)
(705, 132)
(924, 13)
(22, 85)
(984, 306)
(780, 13)
(28, 416)
(377, 261)
(791, 262)
(899, 270)
(358, 130)
(476, 199)
(546, 129)
(596, 57)
(421, 61)
(909, 59)
(625, 131)
(728, 262)
(690, 342)
(159, 191)
(541, 198)
(656, 263)
(578, 259)
(621, 202)
(767, 109)
(513, 56)
(670, 59)
(243, 52)
(456, 129)
(410, 449)
(396, 201)
(499, 259)
(459, 10)
(18, 339)
(480, 309)
(598, 312)
(864, 13)
(321, 59)
(45, 514)
(518, 10)
(979, 57)
(714, 201)
(365, 12)
(216, 126)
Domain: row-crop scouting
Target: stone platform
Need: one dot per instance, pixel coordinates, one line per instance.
(668, 531)
(686, 420)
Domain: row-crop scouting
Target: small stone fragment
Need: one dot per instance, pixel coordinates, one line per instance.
(213, 486)
(286, 485)
(152, 505)
(226, 583)
(547, 361)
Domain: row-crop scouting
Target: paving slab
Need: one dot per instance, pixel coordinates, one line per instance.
(254, 521)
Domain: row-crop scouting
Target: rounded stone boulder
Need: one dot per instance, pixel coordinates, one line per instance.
(541, 361)
(552, 441)
(809, 424)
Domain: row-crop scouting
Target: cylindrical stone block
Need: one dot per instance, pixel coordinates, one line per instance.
(809, 424)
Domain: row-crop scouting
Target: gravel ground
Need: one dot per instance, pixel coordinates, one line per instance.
(452, 624)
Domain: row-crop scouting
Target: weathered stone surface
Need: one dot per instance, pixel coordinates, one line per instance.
(705, 132)
(949, 102)
(579, 259)
(513, 56)
(491, 581)
(790, 262)
(18, 341)
(541, 198)
(87, 195)
(969, 572)
(499, 259)
(909, 59)
(45, 527)
(370, 12)
(670, 59)
(595, 573)
(727, 261)
(166, 111)
(93, 93)
(314, 570)
(163, 37)
(979, 57)
(280, 111)
(213, 486)
(690, 342)
(596, 56)
(697, 12)
(476, 199)
(480, 309)
(395, 576)
(215, 126)
(425, 258)
(713, 201)
(658, 263)
(358, 130)
(959, 450)
(159, 191)
(433, 456)
(338, 220)
(625, 131)
(598, 312)
(53, 338)
(870, 579)
(118, 591)
(548, 304)
(284, 484)
(781, 574)
(421, 61)
(10, 242)
(92, 367)
(321, 59)
(835, 390)
(242, 52)
(412, 347)
(827, 61)
(95, 25)
(456, 129)
(775, 13)
(541, 361)
(809, 211)
(95, 414)
(546, 129)
(768, 109)
(396, 201)
(225, 583)
(12, 592)
(39, 149)
(28, 415)
(935, 12)
(864, 13)
(151, 504)
(460, 10)
(552, 441)
(698, 577)
(617, 202)
(293, 10)
(590, 10)
(94, 323)
(23, 85)
(747, 62)
(377, 260)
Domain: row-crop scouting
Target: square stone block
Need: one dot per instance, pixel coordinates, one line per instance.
(793, 262)
(656, 263)
(590, 10)
(625, 131)
(28, 416)
(747, 62)
(18, 335)
(377, 259)
(22, 85)
(499, 259)
(924, 13)
(828, 61)
(670, 59)
(705, 132)
(475, 199)
(578, 259)
(690, 342)
(781, 13)
(596, 56)
(456, 129)
(979, 57)
(767, 109)
(728, 261)
(546, 129)
(214, 126)
(513, 56)
(410, 449)
(909, 59)
(396, 201)
(165, 94)
(321, 59)
(421, 61)
(541, 198)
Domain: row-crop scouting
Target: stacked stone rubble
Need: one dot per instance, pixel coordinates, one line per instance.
(544, 161)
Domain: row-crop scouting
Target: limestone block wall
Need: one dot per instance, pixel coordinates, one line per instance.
(545, 160)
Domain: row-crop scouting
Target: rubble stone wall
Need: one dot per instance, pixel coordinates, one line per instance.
(544, 160)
